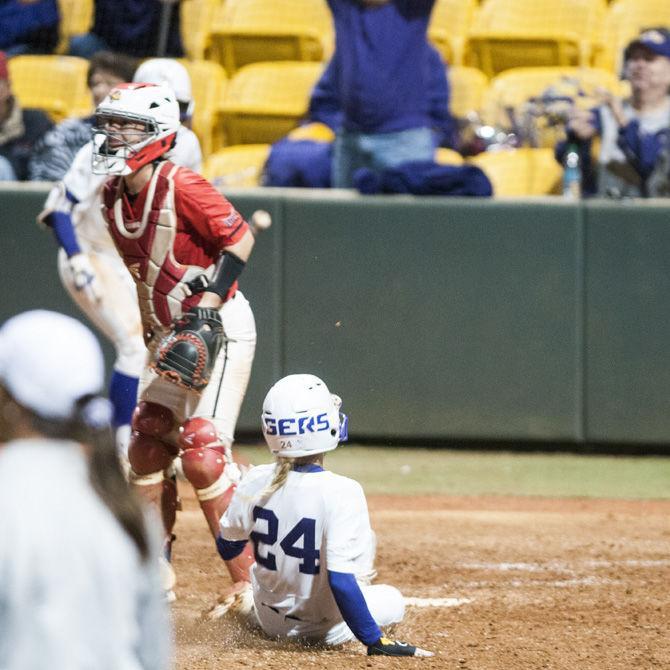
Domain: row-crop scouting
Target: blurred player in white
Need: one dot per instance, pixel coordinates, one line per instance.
(91, 269)
(310, 530)
(80, 586)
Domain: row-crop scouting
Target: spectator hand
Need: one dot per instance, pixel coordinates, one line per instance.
(84, 276)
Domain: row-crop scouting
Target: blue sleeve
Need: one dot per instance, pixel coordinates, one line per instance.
(352, 605)
(439, 94)
(229, 549)
(324, 103)
(61, 223)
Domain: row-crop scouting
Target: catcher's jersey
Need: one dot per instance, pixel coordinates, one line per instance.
(317, 521)
(86, 187)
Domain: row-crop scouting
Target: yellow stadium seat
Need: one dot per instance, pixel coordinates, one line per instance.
(76, 17)
(264, 101)
(237, 166)
(625, 19)
(208, 82)
(520, 172)
(468, 88)
(269, 30)
(445, 156)
(515, 33)
(197, 19)
(56, 84)
(448, 28)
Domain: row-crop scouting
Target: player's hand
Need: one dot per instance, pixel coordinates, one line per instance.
(386, 647)
(84, 276)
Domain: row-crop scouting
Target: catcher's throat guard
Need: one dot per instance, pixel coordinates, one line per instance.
(187, 355)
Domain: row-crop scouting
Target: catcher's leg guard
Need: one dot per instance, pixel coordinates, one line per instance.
(209, 466)
(149, 454)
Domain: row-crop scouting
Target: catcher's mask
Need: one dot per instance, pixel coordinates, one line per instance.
(301, 417)
(134, 125)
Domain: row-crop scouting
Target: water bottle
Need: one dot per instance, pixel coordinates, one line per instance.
(572, 174)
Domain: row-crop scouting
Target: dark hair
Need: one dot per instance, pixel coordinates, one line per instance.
(119, 65)
(105, 471)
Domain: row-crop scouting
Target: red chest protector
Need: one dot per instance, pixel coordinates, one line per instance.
(146, 247)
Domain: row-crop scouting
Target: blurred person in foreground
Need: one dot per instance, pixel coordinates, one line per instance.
(28, 26)
(55, 152)
(79, 589)
(20, 130)
(131, 27)
(382, 61)
(634, 155)
(89, 266)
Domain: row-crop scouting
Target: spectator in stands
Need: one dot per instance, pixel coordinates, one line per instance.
(28, 26)
(304, 157)
(383, 75)
(55, 152)
(132, 27)
(634, 155)
(169, 72)
(20, 129)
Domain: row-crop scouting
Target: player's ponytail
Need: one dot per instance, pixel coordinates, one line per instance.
(106, 474)
(282, 468)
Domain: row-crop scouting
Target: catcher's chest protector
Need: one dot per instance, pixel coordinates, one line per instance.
(146, 247)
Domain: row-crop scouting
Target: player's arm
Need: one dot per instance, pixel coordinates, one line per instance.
(217, 221)
(229, 267)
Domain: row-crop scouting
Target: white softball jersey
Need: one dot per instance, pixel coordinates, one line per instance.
(74, 592)
(317, 521)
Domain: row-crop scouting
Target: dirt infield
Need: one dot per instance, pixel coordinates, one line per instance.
(556, 584)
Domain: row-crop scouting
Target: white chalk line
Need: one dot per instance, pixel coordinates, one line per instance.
(437, 602)
(556, 566)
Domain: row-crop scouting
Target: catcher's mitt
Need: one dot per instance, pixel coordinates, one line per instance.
(187, 355)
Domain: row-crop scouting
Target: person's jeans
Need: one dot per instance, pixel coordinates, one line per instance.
(378, 151)
(6, 170)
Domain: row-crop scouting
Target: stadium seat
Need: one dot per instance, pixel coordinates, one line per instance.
(445, 156)
(56, 84)
(515, 33)
(520, 172)
(513, 91)
(76, 17)
(267, 30)
(237, 166)
(448, 28)
(624, 21)
(197, 19)
(208, 81)
(264, 101)
(468, 88)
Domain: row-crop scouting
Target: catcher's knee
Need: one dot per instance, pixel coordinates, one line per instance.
(205, 460)
(148, 452)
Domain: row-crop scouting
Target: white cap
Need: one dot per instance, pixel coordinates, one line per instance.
(48, 361)
(166, 72)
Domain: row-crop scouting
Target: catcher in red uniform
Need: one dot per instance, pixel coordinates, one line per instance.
(185, 246)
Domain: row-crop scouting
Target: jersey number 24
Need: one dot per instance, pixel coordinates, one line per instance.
(305, 529)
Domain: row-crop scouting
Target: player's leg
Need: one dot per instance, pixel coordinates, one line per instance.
(222, 399)
(206, 440)
(117, 317)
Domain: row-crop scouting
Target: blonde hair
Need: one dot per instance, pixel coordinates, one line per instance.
(283, 467)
